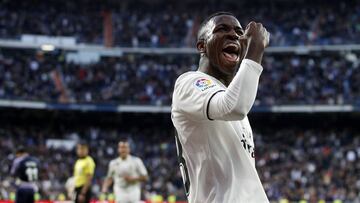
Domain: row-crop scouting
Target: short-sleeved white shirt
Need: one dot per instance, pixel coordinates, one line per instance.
(118, 168)
(218, 164)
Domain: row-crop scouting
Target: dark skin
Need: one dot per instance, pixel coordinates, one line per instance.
(225, 44)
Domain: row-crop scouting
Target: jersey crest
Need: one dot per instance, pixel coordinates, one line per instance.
(203, 84)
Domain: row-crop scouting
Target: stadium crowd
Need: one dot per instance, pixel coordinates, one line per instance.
(293, 164)
(172, 24)
(138, 79)
(154, 145)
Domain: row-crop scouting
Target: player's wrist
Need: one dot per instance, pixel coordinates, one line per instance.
(137, 179)
(254, 49)
(255, 54)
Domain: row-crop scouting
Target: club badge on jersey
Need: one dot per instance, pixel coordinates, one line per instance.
(203, 84)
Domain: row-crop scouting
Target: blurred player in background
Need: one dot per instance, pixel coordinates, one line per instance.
(209, 111)
(83, 173)
(26, 169)
(126, 172)
(70, 187)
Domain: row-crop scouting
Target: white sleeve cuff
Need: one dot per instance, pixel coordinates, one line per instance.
(256, 66)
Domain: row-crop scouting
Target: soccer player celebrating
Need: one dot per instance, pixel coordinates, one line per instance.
(209, 111)
(26, 169)
(127, 171)
(83, 173)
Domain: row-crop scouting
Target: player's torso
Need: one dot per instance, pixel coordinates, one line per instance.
(232, 139)
(80, 168)
(219, 158)
(124, 168)
(216, 157)
(28, 169)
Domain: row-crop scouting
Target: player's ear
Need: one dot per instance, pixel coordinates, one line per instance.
(200, 45)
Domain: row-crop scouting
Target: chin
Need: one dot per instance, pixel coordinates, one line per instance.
(230, 68)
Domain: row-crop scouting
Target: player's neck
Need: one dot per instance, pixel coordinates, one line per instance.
(206, 67)
(124, 157)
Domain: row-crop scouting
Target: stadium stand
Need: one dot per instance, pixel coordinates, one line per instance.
(140, 79)
(172, 24)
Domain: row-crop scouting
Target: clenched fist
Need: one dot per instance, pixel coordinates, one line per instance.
(256, 39)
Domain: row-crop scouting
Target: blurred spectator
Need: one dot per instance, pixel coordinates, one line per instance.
(328, 78)
(173, 24)
(311, 164)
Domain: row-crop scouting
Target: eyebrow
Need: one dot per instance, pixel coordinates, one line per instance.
(236, 27)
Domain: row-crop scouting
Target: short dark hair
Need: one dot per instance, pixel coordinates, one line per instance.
(83, 143)
(123, 139)
(200, 34)
(21, 149)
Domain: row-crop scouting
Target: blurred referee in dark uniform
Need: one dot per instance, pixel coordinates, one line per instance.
(83, 173)
(26, 169)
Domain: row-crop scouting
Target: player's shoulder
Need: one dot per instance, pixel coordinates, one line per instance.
(135, 158)
(132, 157)
(114, 161)
(195, 80)
(29, 159)
(90, 159)
(189, 76)
(35, 159)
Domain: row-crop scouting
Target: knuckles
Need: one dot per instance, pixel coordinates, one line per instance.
(257, 33)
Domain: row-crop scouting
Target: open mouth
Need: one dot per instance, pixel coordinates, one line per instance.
(231, 52)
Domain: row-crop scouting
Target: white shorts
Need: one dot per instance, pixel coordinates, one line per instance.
(126, 201)
(127, 197)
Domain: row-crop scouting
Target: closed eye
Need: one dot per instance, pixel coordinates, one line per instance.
(239, 31)
(222, 29)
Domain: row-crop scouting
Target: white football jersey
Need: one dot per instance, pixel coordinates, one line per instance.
(216, 157)
(131, 166)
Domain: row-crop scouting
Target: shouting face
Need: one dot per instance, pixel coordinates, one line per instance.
(222, 43)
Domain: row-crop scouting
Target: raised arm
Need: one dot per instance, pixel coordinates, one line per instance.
(236, 101)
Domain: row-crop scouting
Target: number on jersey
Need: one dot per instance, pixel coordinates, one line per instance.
(32, 173)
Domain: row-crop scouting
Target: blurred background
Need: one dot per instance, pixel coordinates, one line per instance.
(101, 70)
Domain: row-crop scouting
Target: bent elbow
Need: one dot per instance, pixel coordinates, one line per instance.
(237, 114)
(229, 109)
(240, 114)
(242, 110)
